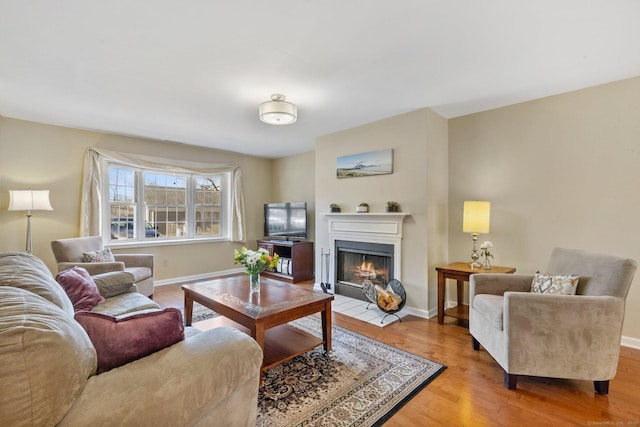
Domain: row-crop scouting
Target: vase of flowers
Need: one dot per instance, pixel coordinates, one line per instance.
(255, 263)
(485, 251)
(254, 280)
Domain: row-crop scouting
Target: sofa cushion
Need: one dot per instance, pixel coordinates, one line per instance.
(122, 340)
(491, 307)
(114, 283)
(127, 303)
(25, 271)
(80, 288)
(102, 255)
(45, 359)
(558, 284)
(140, 273)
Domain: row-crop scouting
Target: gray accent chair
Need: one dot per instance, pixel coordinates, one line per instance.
(557, 336)
(69, 253)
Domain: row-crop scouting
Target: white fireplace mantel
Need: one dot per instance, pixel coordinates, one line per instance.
(383, 227)
(384, 223)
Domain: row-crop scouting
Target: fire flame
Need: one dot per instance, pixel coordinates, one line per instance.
(366, 269)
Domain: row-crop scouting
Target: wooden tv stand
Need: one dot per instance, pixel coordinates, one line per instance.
(300, 255)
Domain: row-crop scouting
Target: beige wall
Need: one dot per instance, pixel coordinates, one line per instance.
(294, 181)
(39, 156)
(559, 171)
(418, 183)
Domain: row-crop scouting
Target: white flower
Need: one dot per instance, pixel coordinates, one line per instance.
(485, 249)
(486, 245)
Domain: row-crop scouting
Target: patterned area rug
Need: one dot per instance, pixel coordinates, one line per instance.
(362, 382)
(200, 312)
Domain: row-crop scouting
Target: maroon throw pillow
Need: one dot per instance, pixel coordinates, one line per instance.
(80, 288)
(119, 341)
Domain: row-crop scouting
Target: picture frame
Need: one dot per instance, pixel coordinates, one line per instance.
(365, 164)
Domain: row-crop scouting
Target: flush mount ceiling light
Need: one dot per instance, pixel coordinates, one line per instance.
(278, 111)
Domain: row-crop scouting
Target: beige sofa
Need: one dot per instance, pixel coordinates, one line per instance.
(48, 363)
(69, 252)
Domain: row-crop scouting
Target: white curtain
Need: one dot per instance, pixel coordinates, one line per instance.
(91, 203)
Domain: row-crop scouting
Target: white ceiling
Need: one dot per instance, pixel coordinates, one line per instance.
(195, 71)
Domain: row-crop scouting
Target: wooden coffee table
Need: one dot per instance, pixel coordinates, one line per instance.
(264, 315)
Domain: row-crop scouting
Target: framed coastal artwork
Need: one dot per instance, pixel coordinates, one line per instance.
(365, 164)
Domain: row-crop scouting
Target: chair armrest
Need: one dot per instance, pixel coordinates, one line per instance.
(580, 333)
(498, 284)
(93, 267)
(135, 260)
(115, 283)
(175, 386)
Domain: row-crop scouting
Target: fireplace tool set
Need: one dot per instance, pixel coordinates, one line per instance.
(324, 270)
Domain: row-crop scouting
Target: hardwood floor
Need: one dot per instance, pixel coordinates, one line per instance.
(470, 391)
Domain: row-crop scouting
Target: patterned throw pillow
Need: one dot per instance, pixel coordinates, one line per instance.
(103, 255)
(559, 285)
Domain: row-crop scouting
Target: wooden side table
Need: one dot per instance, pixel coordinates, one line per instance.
(460, 272)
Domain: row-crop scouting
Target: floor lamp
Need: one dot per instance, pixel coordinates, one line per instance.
(475, 220)
(29, 200)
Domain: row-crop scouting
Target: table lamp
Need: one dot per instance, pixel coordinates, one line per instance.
(475, 220)
(29, 200)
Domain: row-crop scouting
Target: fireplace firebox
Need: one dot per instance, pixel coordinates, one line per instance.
(359, 261)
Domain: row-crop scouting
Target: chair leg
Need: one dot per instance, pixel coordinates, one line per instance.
(510, 380)
(475, 343)
(601, 387)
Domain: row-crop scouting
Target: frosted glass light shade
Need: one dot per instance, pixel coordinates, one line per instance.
(29, 200)
(476, 217)
(278, 111)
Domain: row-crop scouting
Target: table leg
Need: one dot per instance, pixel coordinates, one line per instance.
(441, 283)
(326, 326)
(460, 292)
(257, 333)
(188, 309)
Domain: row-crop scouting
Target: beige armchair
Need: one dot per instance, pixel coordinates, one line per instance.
(558, 336)
(69, 252)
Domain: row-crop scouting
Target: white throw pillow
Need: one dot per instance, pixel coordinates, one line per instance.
(558, 285)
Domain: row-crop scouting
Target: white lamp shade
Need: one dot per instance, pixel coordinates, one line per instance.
(29, 200)
(476, 217)
(278, 111)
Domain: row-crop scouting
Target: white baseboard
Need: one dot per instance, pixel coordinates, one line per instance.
(630, 342)
(205, 276)
(418, 312)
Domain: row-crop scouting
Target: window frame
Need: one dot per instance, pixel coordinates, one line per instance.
(140, 206)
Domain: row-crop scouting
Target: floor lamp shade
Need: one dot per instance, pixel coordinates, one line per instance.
(29, 200)
(476, 217)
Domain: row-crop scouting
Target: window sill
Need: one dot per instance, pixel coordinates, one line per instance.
(114, 244)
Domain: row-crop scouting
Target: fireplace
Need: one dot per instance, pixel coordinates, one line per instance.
(359, 261)
(364, 246)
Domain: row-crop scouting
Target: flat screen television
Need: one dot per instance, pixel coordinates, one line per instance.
(286, 220)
